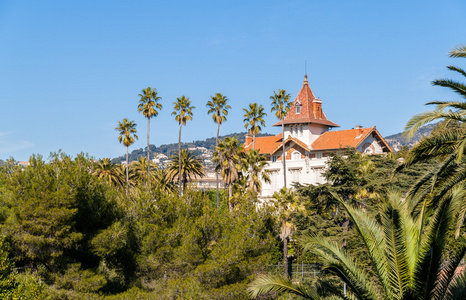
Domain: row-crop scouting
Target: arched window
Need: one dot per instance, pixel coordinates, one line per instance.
(296, 155)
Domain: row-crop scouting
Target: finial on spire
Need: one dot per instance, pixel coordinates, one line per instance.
(305, 67)
(305, 79)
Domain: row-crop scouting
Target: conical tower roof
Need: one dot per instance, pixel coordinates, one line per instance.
(310, 109)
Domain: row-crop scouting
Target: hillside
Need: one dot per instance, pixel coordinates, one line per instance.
(169, 149)
(396, 141)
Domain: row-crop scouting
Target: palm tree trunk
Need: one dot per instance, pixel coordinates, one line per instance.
(216, 172)
(253, 141)
(179, 161)
(230, 194)
(284, 154)
(148, 152)
(127, 181)
(285, 258)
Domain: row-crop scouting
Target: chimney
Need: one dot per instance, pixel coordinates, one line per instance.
(317, 107)
(359, 128)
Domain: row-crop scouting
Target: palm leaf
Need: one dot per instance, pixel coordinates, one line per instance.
(274, 283)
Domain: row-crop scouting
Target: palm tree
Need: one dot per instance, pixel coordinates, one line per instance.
(281, 104)
(254, 166)
(163, 181)
(285, 202)
(448, 142)
(407, 253)
(148, 105)
(107, 171)
(127, 130)
(227, 156)
(254, 119)
(189, 164)
(183, 113)
(219, 109)
(139, 169)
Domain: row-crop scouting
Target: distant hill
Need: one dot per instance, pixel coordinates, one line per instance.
(170, 149)
(396, 141)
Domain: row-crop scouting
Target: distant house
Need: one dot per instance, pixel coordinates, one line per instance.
(309, 141)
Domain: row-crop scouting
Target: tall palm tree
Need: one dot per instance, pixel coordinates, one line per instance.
(448, 142)
(107, 171)
(408, 255)
(281, 104)
(218, 107)
(140, 171)
(285, 202)
(149, 106)
(127, 130)
(191, 167)
(183, 113)
(254, 166)
(254, 118)
(227, 156)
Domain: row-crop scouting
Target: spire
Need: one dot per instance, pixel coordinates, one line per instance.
(310, 108)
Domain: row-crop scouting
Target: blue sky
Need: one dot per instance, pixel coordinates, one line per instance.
(70, 70)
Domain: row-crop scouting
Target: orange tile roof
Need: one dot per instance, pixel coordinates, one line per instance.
(311, 109)
(347, 138)
(341, 139)
(265, 144)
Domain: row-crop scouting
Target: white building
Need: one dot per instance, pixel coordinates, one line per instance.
(309, 141)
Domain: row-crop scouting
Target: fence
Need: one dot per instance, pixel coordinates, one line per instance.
(297, 272)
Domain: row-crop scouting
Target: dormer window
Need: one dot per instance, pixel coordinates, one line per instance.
(298, 107)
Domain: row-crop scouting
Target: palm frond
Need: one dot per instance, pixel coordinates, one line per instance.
(456, 86)
(458, 51)
(344, 266)
(274, 283)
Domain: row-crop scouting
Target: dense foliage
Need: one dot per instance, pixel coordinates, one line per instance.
(75, 235)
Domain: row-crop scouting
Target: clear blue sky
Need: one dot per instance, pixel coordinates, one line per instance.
(70, 70)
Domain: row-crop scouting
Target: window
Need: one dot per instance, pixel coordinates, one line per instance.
(298, 108)
(296, 175)
(319, 155)
(296, 155)
(301, 130)
(274, 158)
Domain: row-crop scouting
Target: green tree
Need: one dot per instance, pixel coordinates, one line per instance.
(218, 107)
(281, 105)
(183, 113)
(227, 156)
(189, 164)
(254, 118)
(407, 253)
(149, 106)
(127, 130)
(254, 165)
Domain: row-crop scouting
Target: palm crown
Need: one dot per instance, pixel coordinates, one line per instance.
(218, 108)
(127, 130)
(280, 104)
(149, 103)
(183, 110)
(254, 118)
